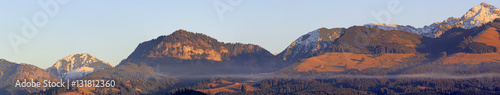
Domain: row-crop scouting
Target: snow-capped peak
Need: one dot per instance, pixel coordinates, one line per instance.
(308, 43)
(479, 15)
(76, 66)
(75, 61)
(475, 17)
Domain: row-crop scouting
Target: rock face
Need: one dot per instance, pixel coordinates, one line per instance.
(184, 52)
(475, 17)
(11, 72)
(187, 46)
(309, 43)
(76, 66)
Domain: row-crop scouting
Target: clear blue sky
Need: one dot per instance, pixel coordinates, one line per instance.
(111, 29)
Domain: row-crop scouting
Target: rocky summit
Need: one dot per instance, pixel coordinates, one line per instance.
(76, 66)
(184, 52)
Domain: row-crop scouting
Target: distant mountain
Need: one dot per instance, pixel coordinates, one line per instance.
(309, 43)
(464, 51)
(11, 72)
(368, 50)
(475, 17)
(468, 46)
(184, 52)
(360, 48)
(76, 66)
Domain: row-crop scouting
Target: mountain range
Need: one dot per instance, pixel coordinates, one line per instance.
(183, 59)
(475, 17)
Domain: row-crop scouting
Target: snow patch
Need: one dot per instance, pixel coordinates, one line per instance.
(84, 69)
(309, 38)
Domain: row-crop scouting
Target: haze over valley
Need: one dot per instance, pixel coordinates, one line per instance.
(458, 55)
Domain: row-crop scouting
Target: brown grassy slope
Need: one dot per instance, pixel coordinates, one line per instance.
(227, 86)
(490, 37)
(337, 62)
(73, 93)
(469, 58)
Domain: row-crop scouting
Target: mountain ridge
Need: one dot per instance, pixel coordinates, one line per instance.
(204, 54)
(184, 40)
(474, 17)
(307, 44)
(364, 49)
